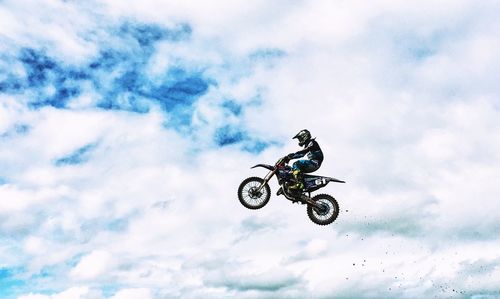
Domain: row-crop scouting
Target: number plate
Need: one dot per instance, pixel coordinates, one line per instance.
(319, 181)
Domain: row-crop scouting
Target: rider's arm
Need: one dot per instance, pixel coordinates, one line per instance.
(296, 155)
(300, 153)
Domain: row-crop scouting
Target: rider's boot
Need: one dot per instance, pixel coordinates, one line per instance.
(299, 183)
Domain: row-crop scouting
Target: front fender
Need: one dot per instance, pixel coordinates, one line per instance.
(264, 166)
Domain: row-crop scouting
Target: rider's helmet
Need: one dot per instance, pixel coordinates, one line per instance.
(303, 136)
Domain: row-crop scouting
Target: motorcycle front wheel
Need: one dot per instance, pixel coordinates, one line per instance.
(249, 195)
(328, 211)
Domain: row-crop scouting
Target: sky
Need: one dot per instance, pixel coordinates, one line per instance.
(127, 126)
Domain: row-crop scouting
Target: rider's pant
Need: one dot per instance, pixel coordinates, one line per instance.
(305, 166)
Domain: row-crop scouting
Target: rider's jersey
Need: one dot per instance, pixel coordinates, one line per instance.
(313, 152)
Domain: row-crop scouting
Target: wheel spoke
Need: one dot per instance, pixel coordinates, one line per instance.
(331, 210)
(252, 198)
(253, 193)
(325, 211)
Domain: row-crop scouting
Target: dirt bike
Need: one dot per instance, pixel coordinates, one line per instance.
(322, 209)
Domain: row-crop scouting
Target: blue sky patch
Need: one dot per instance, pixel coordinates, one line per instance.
(11, 84)
(145, 34)
(129, 81)
(9, 284)
(421, 52)
(125, 101)
(79, 156)
(117, 225)
(256, 146)
(228, 135)
(39, 67)
(118, 74)
(21, 128)
(133, 90)
(148, 34)
(59, 100)
(267, 53)
(183, 92)
(233, 107)
(16, 130)
(43, 72)
(417, 47)
(107, 60)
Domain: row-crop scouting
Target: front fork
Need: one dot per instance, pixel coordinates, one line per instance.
(266, 179)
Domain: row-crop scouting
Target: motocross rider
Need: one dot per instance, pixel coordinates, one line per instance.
(311, 164)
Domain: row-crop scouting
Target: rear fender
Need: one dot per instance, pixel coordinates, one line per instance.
(334, 180)
(322, 179)
(314, 183)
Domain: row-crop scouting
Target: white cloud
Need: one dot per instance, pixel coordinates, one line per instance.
(401, 95)
(93, 265)
(313, 249)
(72, 293)
(30, 23)
(33, 245)
(133, 293)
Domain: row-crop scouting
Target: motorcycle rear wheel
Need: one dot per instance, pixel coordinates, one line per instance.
(327, 214)
(248, 195)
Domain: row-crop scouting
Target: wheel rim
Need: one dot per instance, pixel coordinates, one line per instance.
(326, 212)
(253, 197)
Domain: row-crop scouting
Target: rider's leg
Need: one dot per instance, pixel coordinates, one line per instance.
(300, 167)
(296, 171)
(309, 166)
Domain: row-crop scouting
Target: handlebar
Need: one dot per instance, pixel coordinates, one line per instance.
(284, 159)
